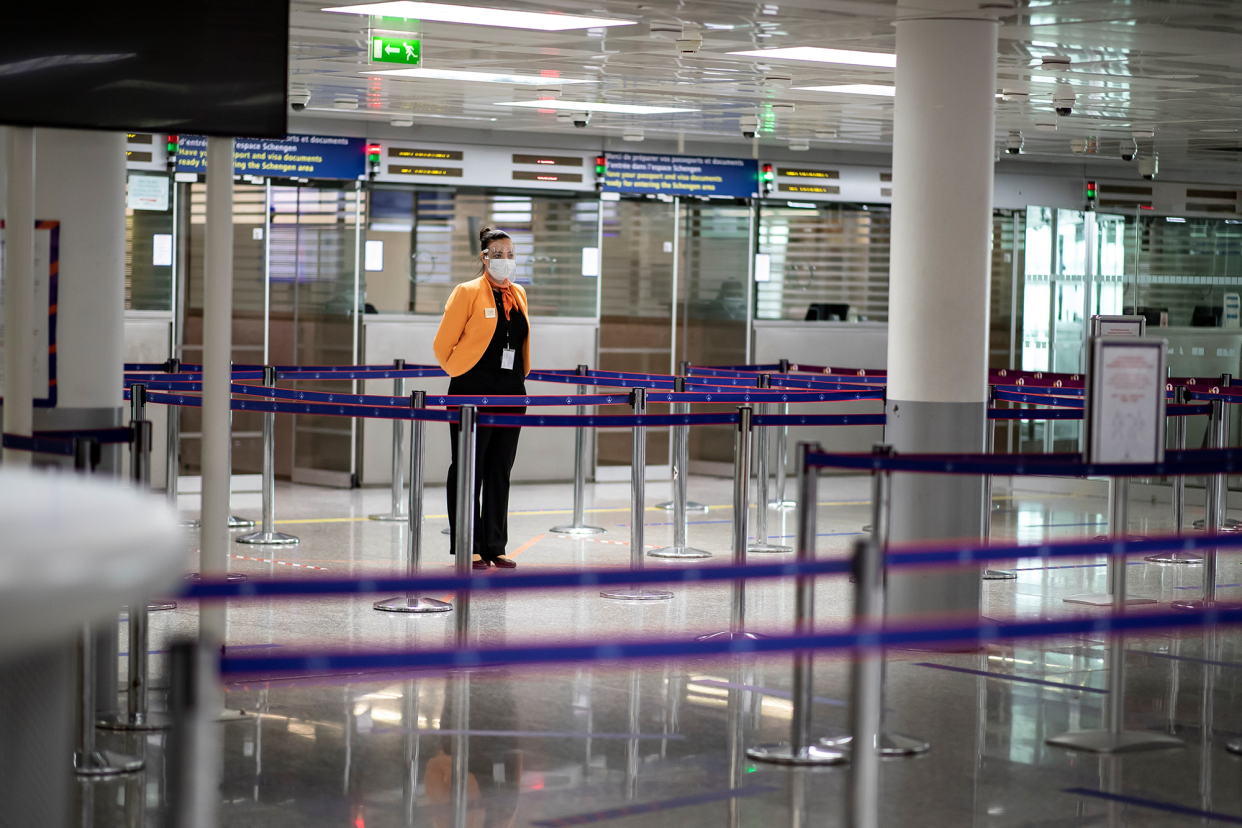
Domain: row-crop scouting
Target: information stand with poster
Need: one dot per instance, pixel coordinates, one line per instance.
(1125, 418)
(1118, 325)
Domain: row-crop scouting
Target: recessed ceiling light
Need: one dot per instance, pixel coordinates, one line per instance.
(855, 89)
(589, 106)
(479, 16)
(1218, 130)
(820, 55)
(479, 77)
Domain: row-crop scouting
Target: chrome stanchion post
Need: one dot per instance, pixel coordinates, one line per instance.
(411, 602)
(268, 536)
(87, 759)
(195, 745)
(681, 446)
(1178, 495)
(466, 505)
(398, 433)
(800, 749)
(1217, 491)
(679, 549)
(579, 526)
(638, 492)
(761, 493)
(866, 691)
(172, 441)
(460, 778)
(986, 533)
(235, 522)
(782, 450)
(741, 526)
(1113, 737)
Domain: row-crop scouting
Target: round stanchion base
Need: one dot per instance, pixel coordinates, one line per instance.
(866, 530)
(145, 721)
(161, 606)
(105, 763)
(782, 504)
(784, 754)
(999, 575)
(890, 744)
(677, 552)
(445, 531)
(636, 594)
(729, 635)
(1234, 745)
(269, 539)
(232, 577)
(192, 524)
(227, 715)
(1198, 605)
(1230, 525)
(768, 548)
(574, 529)
(392, 518)
(1174, 558)
(236, 522)
(691, 506)
(412, 603)
(1106, 741)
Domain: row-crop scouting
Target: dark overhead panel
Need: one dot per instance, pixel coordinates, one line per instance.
(217, 68)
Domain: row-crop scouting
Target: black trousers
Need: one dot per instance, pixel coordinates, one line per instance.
(495, 450)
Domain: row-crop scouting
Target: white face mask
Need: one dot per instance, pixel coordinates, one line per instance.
(502, 270)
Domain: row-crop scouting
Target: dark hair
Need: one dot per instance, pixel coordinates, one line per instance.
(486, 236)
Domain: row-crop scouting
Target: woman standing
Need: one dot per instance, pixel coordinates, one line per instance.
(483, 343)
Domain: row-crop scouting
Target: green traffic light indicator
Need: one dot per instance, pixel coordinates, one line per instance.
(388, 49)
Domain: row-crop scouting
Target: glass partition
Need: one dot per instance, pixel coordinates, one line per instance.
(148, 255)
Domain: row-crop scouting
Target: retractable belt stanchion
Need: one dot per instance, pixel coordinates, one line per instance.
(986, 533)
(1214, 511)
(140, 460)
(761, 493)
(194, 750)
(866, 691)
(782, 450)
(1179, 492)
(398, 430)
(172, 445)
(463, 551)
(886, 743)
(1113, 737)
(800, 749)
(414, 545)
(681, 445)
(579, 526)
(680, 474)
(235, 522)
(741, 527)
(89, 761)
(638, 493)
(1227, 524)
(136, 715)
(268, 536)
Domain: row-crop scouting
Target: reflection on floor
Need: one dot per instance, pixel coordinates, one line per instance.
(658, 744)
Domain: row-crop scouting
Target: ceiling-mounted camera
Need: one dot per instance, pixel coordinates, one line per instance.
(1149, 166)
(1129, 149)
(1063, 99)
(749, 125)
(581, 119)
(1013, 144)
(299, 98)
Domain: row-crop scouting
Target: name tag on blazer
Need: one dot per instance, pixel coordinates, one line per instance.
(489, 313)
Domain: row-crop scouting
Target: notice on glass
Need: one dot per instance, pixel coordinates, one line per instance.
(1126, 403)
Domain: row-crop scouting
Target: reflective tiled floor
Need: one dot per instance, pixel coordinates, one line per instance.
(657, 744)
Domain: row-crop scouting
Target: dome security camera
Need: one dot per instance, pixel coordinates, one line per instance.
(581, 119)
(1013, 144)
(749, 124)
(689, 42)
(298, 99)
(1129, 149)
(1149, 166)
(1063, 99)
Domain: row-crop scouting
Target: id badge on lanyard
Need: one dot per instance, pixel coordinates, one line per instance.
(506, 359)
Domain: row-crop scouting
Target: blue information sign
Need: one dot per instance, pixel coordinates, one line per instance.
(296, 156)
(687, 175)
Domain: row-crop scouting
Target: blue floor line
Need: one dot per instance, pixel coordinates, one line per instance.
(1192, 659)
(1167, 807)
(652, 807)
(1008, 677)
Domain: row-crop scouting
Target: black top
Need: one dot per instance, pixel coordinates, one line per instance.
(487, 377)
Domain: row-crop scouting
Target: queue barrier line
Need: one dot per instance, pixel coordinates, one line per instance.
(1197, 462)
(61, 441)
(854, 638)
(921, 555)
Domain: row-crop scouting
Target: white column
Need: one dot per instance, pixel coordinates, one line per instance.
(19, 289)
(217, 371)
(943, 139)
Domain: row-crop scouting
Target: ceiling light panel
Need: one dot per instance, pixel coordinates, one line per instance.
(815, 54)
(477, 77)
(855, 89)
(588, 106)
(479, 16)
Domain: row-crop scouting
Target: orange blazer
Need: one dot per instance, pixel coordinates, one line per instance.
(466, 330)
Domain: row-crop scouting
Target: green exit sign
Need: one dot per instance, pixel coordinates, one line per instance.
(388, 49)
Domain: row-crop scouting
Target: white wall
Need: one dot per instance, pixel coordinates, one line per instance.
(543, 453)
